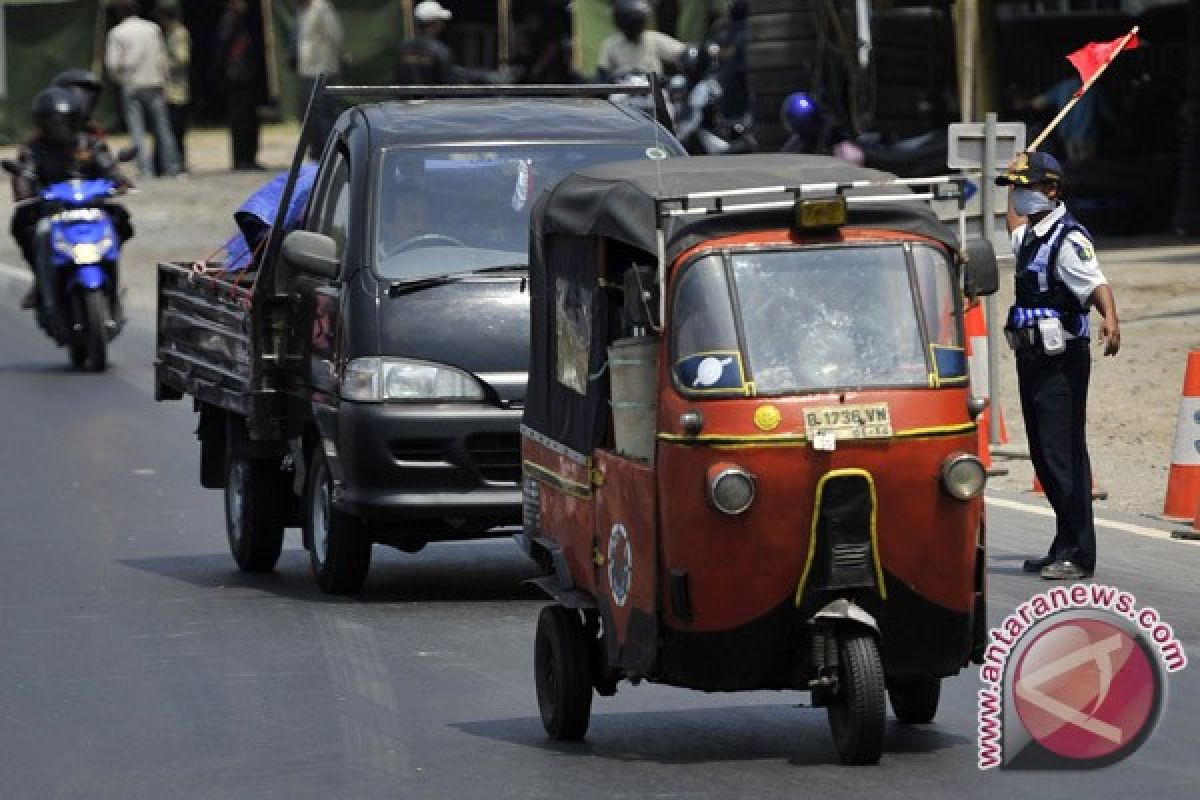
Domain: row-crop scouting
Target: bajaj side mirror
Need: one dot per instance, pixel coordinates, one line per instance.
(127, 153)
(312, 253)
(981, 276)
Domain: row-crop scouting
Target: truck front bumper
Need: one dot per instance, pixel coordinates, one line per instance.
(398, 463)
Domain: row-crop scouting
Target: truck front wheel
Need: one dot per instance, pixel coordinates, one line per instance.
(339, 548)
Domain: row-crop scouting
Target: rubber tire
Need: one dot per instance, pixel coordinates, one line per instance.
(77, 354)
(916, 702)
(858, 715)
(562, 672)
(254, 526)
(96, 316)
(347, 545)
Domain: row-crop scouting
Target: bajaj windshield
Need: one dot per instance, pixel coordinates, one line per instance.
(785, 321)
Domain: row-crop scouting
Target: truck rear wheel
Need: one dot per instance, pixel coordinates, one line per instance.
(255, 505)
(339, 548)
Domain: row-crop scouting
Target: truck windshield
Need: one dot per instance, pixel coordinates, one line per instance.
(815, 319)
(466, 207)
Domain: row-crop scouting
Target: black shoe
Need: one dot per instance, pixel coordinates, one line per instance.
(1036, 565)
(1065, 571)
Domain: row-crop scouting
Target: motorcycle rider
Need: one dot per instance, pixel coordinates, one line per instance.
(635, 50)
(87, 88)
(59, 150)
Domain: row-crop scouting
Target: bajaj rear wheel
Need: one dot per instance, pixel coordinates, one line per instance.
(915, 702)
(857, 714)
(562, 671)
(96, 316)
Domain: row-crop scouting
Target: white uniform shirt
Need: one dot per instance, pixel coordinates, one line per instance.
(1077, 264)
(318, 40)
(136, 54)
(618, 55)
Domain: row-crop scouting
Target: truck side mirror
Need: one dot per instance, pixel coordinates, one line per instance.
(313, 253)
(980, 274)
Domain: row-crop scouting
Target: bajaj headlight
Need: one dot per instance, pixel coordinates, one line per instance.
(963, 476)
(371, 380)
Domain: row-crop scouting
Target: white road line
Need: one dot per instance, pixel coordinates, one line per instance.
(1127, 527)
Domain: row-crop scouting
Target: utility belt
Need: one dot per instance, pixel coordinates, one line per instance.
(1048, 335)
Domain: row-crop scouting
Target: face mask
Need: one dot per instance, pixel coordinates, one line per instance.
(1030, 201)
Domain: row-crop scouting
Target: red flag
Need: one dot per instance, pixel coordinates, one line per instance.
(1092, 57)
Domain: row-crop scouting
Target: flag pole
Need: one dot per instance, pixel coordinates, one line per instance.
(1067, 108)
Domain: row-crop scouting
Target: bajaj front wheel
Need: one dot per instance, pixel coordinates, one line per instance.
(339, 548)
(857, 714)
(95, 343)
(562, 672)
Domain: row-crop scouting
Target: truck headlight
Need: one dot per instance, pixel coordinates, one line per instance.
(963, 476)
(730, 489)
(371, 380)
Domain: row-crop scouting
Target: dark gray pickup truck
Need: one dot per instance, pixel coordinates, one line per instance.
(365, 378)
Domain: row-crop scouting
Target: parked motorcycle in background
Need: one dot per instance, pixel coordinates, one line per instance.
(78, 252)
(696, 95)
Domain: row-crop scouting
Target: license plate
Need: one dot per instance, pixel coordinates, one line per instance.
(866, 421)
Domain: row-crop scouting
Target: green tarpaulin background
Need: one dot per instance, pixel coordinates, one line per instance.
(42, 38)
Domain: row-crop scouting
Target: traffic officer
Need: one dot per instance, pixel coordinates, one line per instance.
(1058, 280)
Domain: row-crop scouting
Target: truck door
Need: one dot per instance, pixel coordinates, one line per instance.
(320, 320)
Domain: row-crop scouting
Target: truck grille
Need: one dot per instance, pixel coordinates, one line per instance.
(497, 456)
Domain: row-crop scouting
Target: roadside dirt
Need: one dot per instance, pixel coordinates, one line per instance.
(1134, 397)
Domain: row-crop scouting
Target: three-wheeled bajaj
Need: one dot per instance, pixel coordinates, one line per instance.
(749, 446)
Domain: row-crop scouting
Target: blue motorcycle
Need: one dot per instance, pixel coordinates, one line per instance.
(78, 250)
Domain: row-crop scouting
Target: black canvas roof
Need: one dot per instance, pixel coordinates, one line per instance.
(618, 200)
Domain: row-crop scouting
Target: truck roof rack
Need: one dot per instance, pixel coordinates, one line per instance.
(602, 90)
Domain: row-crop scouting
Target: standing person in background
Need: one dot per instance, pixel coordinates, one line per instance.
(136, 57)
(424, 60)
(238, 74)
(635, 50)
(319, 41)
(177, 89)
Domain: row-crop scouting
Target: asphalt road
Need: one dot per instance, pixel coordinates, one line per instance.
(135, 662)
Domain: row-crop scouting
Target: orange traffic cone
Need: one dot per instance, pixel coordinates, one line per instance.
(1192, 533)
(1183, 481)
(975, 328)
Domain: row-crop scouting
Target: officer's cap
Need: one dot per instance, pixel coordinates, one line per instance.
(1030, 168)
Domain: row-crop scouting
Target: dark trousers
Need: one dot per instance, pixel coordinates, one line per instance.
(180, 116)
(1054, 404)
(242, 99)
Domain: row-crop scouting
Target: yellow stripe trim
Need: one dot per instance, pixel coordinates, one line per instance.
(812, 538)
(720, 440)
(573, 488)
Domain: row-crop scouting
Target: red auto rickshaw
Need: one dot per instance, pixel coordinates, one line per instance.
(749, 445)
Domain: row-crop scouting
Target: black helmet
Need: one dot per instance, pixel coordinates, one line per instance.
(631, 16)
(57, 114)
(85, 85)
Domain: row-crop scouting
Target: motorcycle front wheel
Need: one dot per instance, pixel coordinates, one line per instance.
(92, 351)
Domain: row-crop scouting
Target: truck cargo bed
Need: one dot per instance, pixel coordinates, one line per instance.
(203, 341)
